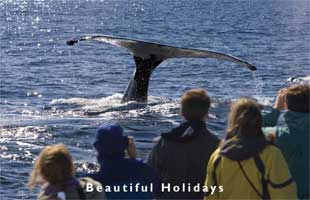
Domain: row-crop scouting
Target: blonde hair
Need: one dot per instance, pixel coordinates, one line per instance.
(195, 104)
(54, 165)
(245, 120)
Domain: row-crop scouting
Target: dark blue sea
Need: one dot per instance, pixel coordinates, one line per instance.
(52, 93)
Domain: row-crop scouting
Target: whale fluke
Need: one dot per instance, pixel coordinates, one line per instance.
(148, 56)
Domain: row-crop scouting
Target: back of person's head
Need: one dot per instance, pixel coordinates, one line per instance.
(245, 120)
(297, 98)
(54, 165)
(110, 142)
(195, 104)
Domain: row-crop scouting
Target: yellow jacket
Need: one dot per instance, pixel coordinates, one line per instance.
(228, 174)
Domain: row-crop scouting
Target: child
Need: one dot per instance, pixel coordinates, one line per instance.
(54, 171)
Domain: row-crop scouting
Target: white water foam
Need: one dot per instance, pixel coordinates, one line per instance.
(92, 104)
(300, 80)
(105, 102)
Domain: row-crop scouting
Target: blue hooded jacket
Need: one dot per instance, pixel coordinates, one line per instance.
(116, 170)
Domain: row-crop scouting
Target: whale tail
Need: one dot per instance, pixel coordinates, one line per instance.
(148, 56)
(137, 89)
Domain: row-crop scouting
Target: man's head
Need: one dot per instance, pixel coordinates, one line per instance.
(297, 98)
(195, 104)
(110, 142)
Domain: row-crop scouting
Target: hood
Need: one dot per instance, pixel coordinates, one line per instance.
(186, 131)
(242, 148)
(110, 142)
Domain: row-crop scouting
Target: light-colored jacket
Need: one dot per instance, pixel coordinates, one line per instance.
(227, 173)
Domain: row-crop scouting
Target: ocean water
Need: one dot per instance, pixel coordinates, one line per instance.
(52, 93)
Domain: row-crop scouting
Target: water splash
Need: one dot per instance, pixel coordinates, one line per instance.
(259, 84)
(299, 80)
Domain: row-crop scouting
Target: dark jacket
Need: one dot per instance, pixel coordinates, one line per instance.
(121, 171)
(182, 155)
(292, 137)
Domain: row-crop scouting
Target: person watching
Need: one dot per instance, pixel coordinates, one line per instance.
(54, 172)
(290, 131)
(181, 155)
(118, 172)
(246, 166)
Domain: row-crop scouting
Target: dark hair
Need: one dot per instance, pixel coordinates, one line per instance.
(245, 120)
(297, 98)
(195, 104)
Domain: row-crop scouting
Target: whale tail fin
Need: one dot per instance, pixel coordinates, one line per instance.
(146, 50)
(148, 56)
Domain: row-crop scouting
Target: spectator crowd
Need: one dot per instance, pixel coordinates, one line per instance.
(263, 155)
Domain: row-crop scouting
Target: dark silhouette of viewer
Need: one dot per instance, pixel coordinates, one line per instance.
(181, 155)
(54, 172)
(291, 132)
(117, 171)
(245, 164)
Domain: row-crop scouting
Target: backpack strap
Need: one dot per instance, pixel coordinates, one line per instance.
(281, 185)
(261, 167)
(249, 181)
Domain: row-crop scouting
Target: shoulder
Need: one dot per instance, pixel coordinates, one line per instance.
(209, 138)
(214, 137)
(293, 114)
(215, 155)
(214, 160)
(271, 150)
(271, 154)
(47, 192)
